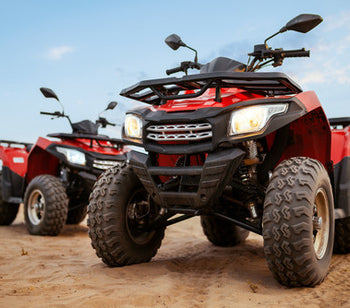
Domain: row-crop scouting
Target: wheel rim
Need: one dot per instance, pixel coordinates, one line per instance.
(138, 214)
(321, 223)
(36, 207)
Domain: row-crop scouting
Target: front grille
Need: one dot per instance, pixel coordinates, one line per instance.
(104, 164)
(180, 132)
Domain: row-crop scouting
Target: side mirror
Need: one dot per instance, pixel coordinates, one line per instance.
(174, 41)
(111, 105)
(302, 23)
(47, 92)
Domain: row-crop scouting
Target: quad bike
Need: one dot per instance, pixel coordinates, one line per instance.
(53, 178)
(246, 151)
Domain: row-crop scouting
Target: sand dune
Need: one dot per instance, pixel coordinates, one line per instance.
(188, 271)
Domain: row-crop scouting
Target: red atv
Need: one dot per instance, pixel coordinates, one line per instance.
(245, 151)
(56, 176)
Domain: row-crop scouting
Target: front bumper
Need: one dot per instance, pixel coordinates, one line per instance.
(214, 175)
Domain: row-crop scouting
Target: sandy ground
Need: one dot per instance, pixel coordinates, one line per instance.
(188, 271)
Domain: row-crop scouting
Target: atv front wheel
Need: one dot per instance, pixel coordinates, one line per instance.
(298, 222)
(45, 205)
(342, 236)
(222, 233)
(8, 211)
(118, 215)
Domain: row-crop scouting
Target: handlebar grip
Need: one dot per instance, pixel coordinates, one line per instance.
(297, 54)
(46, 113)
(173, 70)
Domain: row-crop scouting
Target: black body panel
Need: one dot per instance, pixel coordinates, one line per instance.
(12, 186)
(213, 178)
(219, 119)
(90, 157)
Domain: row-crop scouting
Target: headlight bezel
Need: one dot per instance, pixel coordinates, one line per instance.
(133, 133)
(73, 156)
(266, 112)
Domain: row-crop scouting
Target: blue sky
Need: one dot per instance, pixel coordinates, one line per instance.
(87, 51)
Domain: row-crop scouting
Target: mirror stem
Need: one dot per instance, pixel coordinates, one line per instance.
(195, 57)
(272, 36)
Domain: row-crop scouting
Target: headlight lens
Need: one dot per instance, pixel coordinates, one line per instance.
(253, 118)
(73, 156)
(133, 126)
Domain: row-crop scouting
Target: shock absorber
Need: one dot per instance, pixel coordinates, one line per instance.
(248, 175)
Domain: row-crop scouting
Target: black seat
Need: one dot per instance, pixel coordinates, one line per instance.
(223, 64)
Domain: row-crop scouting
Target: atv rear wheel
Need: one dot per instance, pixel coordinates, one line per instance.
(342, 236)
(298, 222)
(8, 211)
(77, 210)
(118, 214)
(45, 205)
(222, 233)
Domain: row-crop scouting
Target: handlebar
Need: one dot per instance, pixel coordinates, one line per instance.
(264, 55)
(55, 114)
(104, 122)
(184, 67)
(296, 53)
(173, 70)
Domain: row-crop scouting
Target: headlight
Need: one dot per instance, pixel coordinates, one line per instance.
(133, 126)
(73, 156)
(254, 118)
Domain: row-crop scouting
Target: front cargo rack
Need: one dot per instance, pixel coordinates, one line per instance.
(158, 91)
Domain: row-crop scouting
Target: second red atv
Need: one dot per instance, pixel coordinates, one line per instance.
(54, 179)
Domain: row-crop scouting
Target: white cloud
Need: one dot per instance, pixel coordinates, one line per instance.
(56, 53)
(329, 58)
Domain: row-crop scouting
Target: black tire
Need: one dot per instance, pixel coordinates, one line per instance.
(342, 236)
(45, 205)
(8, 211)
(222, 233)
(77, 211)
(114, 234)
(298, 245)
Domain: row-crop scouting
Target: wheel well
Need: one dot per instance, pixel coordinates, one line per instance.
(41, 162)
(310, 136)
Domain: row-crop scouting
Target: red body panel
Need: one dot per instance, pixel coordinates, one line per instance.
(340, 144)
(84, 144)
(228, 97)
(15, 158)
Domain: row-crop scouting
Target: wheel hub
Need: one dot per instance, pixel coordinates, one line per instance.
(320, 222)
(137, 216)
(36, 207)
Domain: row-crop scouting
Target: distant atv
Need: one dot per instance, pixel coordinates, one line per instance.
(340, 154)
(245, 151)
(56, 176)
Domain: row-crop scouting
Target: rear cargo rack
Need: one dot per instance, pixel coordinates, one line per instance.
(158, 91)
(339, 121)
(114, 141)
(11, 142)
